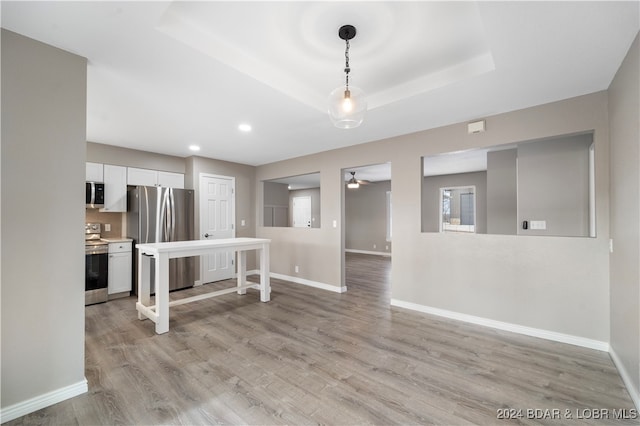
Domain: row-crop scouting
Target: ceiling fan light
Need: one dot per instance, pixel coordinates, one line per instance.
(347, 107)
(353, 182)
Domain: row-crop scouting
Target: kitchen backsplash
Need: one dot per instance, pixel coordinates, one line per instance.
(114, 219)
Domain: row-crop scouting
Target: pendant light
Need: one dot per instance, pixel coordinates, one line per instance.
(347, 104)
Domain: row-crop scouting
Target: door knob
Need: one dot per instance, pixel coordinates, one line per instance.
(206, 235)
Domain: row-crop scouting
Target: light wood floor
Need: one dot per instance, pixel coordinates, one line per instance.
(312, 356)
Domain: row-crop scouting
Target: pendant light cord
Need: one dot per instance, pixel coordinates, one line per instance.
(347, 69)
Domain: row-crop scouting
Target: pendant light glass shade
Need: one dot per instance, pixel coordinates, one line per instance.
(347, 107)
(347, 104)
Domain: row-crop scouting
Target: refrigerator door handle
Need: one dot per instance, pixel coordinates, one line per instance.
(146, 200)
(173, 215)
(169, 213)
(164, 216)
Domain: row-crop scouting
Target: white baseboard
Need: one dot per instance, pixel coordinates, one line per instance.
(515, 328)
(626, 379)
(29, 406)
(375, 253)
(309, 283)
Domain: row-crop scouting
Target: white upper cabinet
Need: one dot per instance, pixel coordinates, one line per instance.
(115, 189)
(147, 177)
(94, 172)
(144, 177)
(171, 180)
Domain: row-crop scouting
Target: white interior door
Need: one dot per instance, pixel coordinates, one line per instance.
(302, 212)
(217, 216)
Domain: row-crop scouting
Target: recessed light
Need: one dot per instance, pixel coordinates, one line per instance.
(244, 127)
(194, 147)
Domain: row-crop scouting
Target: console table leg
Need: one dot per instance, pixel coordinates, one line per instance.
(242, 271)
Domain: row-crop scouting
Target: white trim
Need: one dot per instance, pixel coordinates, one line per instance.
(309, 283)
(30, 405)
(514, 328)
(592, 190)
(375, 253)
(626, 379)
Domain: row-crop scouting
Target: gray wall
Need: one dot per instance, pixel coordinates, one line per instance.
(276, 194)
(110, 154)
(43, 156)
(366, 217)
(431, 198)
(507, 278)
(624, 110)
(276, 204)
(502, 192)
(553, 185)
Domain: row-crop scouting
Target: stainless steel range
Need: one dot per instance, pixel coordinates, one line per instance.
(96, 269)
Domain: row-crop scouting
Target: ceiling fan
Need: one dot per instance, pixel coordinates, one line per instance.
(354, 183)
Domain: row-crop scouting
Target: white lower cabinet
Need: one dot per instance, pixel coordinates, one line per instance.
(119, 278)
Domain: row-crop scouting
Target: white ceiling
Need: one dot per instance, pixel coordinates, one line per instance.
(166, 75)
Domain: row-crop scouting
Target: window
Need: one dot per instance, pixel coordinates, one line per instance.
(458, 209)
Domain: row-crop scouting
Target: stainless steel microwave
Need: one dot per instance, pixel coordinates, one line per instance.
(95, 195)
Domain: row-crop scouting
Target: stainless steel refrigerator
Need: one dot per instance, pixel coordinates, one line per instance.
(156, 214)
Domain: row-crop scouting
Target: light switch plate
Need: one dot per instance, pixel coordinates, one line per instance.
(538, 224)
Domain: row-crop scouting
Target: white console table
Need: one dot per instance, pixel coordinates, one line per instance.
(162, 252)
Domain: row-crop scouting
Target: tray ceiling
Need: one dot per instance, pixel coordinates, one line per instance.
(166, 75)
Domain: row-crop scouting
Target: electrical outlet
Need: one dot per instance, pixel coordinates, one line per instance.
(375, 246)
(386, 247)
(296, 269)
(107, 227)
(242, 223)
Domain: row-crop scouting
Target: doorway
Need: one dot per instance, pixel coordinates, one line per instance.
(302, 212)
(217, 221)
(366, 211)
